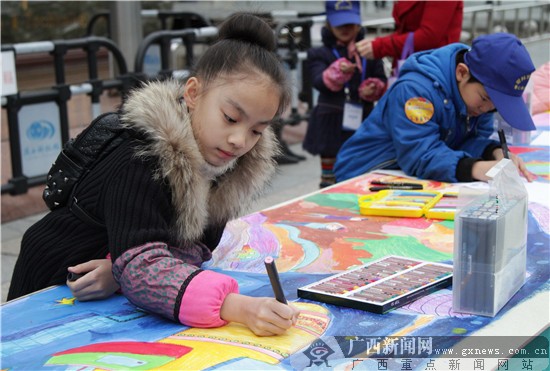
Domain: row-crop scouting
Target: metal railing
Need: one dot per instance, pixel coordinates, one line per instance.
(165, 39)
(523, 17)
(180, 20)
(58, 94)
(527, 19)
(54, 124)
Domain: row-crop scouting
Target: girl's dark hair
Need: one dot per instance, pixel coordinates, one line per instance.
(246, 44)
(460, 59)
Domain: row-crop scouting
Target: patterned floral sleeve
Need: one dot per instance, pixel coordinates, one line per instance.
(154, 277)
(334, 78)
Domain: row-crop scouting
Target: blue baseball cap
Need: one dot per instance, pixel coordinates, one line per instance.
(343, 12)
(503, 65)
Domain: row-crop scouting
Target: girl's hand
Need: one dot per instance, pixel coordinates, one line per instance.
(263, 316)
(364, 48)
(97, 281)
(347, 67)
(499, 155)
(367, 89)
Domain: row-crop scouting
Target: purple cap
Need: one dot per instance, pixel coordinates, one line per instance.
(503, 65)
(343, 12)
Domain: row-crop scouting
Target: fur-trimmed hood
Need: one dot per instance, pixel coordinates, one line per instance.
(158, 110)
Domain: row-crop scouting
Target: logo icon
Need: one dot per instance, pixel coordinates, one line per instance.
(419, 110)
(318, 352)
(343, 5)
(41, 129)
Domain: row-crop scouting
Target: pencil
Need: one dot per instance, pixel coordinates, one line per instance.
(382, 188)
(502, 138)
(274, 279)
(397, 184)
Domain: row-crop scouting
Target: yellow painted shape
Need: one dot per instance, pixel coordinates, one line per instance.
(205, 355)
(217, 345)
(66, 301)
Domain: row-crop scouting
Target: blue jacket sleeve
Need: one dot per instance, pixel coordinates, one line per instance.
(420, 149)
(477, 143)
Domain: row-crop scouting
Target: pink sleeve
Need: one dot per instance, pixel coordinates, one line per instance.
(203, 299)
(540, 101)
(380, 89)
(152, 277)
(334, 78)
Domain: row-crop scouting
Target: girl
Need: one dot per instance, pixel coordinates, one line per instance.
(347, 84)
(196, 156)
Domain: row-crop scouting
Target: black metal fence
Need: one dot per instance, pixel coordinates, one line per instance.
(35, 141)
(39, 137)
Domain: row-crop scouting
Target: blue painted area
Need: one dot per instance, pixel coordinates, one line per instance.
(35, 327)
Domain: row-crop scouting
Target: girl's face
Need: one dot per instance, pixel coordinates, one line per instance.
(473, 94)
(346, 33)
(230, 116)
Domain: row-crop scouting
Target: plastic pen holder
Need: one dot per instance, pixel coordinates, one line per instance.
(399, 203)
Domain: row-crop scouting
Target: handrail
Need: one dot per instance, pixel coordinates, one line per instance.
(60, 93)
(474, 10)
(162, 15)
(84, 42)
(164, 38)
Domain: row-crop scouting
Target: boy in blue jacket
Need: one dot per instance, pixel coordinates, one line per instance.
(435, 121)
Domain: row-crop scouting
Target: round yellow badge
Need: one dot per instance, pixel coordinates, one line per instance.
(419, 110)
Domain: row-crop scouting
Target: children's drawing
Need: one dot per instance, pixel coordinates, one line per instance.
(311, 239)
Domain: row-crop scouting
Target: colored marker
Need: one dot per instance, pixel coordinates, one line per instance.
(274, 279)
(382, 188)
(396, 184)
(503, 144)
(71, 277)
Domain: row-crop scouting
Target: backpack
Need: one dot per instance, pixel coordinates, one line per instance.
(78, 157)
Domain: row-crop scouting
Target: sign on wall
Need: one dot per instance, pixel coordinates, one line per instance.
(40, 135)
(8, 79)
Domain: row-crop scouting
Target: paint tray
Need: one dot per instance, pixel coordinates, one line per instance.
(381, 285)
(402, 203)
(444, 207)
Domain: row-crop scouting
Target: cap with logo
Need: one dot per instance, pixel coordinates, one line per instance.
(341, 12)
(502, 64)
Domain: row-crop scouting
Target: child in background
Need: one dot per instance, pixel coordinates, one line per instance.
(540, 98)
(433, 23)
(435, 121)
(347, 84)
(197, 155)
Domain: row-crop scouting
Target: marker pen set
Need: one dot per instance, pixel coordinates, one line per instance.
(489, 254)
(381, 285)
(380, 185)
(409, 203)
(444, 207)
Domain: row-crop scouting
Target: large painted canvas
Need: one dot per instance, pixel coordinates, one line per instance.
(310, 238)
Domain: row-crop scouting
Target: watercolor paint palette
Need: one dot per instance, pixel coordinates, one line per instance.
(381, 285)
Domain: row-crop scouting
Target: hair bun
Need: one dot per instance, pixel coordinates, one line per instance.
(249, 28)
